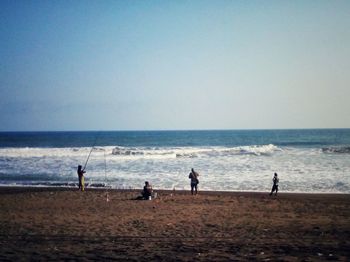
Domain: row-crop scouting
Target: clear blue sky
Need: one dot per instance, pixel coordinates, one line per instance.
(125, 65)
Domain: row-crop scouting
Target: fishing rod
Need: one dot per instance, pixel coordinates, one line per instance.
(90, 152)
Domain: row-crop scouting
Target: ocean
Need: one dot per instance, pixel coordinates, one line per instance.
(307, 160)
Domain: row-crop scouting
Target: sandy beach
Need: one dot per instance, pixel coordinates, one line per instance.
(65, 224)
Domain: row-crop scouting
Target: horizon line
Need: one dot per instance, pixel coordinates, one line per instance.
(173, 130)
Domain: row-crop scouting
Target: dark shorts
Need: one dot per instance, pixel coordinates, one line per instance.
(193, 185)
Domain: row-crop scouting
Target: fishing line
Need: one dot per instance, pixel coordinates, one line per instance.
(107, 195)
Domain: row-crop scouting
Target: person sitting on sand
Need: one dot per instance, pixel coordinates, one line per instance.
(147, 191)
(275, 181)
(194, 180)
(81, 178)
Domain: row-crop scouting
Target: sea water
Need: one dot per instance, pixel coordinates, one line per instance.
(312, 160)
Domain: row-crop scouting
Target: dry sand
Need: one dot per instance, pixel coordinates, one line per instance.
(65, 224)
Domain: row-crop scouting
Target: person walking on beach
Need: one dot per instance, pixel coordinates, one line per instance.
(194, 181)
(275, 181)
(81, 178)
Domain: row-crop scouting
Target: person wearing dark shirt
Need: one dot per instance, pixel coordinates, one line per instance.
(275, 181)
(81, 178)
(147, 191)
(194, 181)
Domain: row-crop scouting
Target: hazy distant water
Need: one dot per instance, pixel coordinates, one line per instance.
(306, 160)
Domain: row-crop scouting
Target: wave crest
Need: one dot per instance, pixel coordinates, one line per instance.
(193, 152)
(127, 151)
(337, 150)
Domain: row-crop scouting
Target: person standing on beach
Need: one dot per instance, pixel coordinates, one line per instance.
(194, 180)
(81, 178)
(275, 181)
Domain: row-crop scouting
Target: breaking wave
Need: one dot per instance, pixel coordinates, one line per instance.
(337, 150)
(192, 152)
(119, 152)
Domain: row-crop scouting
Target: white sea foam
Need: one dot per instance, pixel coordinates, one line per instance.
(139, 152)
(220, 168)
(51, 152)
(194, 151)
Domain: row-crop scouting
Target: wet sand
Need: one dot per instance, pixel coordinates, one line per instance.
(65, 224)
